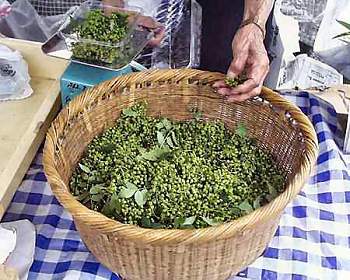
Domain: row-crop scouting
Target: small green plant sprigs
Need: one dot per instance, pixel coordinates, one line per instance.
(345, 35)
(98, 27)
(157, 173)
(236, 81)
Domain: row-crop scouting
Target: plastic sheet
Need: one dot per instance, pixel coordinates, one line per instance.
(23, 22)
(308, 13)
(181, 45)
(334, 51)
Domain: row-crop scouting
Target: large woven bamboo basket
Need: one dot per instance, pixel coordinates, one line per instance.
(211, 253)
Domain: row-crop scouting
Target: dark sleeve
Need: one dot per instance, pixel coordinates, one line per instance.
(220, 21)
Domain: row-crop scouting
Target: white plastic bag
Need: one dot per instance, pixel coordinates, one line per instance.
(22, 254)
(24, 22)
(14, 77)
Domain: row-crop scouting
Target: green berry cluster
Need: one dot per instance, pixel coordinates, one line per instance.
(158, 173)
(109, 30)
(235, 81)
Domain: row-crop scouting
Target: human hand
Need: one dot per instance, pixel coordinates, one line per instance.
(249, 56)
(150, 24)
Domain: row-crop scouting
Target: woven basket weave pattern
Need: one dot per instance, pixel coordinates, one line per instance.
(211, 253)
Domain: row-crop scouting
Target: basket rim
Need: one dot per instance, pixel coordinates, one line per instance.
(134, 233)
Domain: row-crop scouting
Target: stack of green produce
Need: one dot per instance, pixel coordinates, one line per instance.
(99, 35)
(158, 173)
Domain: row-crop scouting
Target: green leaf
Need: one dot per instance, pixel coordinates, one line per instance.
(235, 211)
(155, 153)
(107, 148)
(189, 221)
(96, 197)
(115, 203)
(246, 207)
(210, 222)
(342, 35)
(160, 125)
(241, 130)
(169, 142)
(92, 179)
(198, 115)
(146, 222)
(256, 203)
(173, 137)
(95, 190)
(273, 192)
(128, 191)
(112, 206)
(166, 124)
(178, 222)
(84, 168)
(157, 225)
(84, 197)
(129, 112)
(141, 197)
(160, 138)
(107, 210)
(345, 24)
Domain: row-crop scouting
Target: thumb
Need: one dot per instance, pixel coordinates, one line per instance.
(238, 64)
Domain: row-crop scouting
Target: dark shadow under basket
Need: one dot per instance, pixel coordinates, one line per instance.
(211, 253)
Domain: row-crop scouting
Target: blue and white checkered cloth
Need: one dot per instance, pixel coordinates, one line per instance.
(312, 240)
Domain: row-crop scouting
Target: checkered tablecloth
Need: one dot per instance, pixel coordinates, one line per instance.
(312, 240)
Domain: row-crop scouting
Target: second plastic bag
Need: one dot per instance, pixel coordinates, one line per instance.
(14, 76)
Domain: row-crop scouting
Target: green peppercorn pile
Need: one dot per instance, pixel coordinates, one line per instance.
(235, 81)
(109, 30)
(157, 173)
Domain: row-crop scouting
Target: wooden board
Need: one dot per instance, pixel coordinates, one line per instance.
(24, 123)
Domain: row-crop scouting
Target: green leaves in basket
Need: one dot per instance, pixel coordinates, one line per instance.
(141, 197)
(272, 193)
(196, 113)
(234, 82)
(128, 191)
(147, 223)
(164, 123)
(166, 134)
(241, 130)
(183, 223)
(112, 207)
(97, 192)
(129, 112)
(159, 173)
(211, 222)
(256, 203)
(246, 207)
(84, 168)
(155, 154)
(83, 197)
(160, 138)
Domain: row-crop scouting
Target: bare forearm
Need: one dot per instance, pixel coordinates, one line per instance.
(114, 3)
(259, 9)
